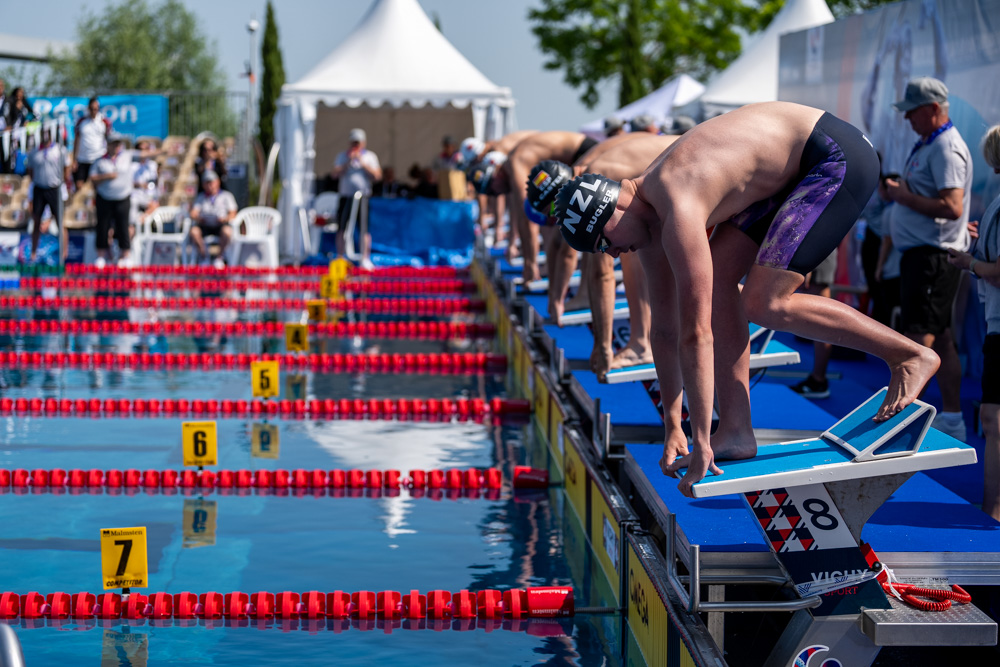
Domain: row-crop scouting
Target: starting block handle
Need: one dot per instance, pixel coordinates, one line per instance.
(901, 435)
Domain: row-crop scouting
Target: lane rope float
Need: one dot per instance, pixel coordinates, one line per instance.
(284, 271)
(394, 362)
(410, 330)
(393, 286)
(394, 305)
(58, 480)
(343, 408)
(489, 604)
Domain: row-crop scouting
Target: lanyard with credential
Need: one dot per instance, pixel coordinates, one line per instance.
(929, 140)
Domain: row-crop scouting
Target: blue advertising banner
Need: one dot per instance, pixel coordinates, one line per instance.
(131, 115)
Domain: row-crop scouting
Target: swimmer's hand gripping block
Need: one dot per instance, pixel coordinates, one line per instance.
(867, 440)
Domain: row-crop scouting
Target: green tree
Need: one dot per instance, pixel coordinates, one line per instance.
(137, 46)
(271, 81)
(642, 43)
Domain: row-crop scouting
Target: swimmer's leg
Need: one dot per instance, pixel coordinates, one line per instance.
(733, 253)
(581, 299)
(638, 350)
(771, 301)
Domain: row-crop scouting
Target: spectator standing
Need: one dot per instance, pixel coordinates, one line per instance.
(112, 177)
(984, 264)
(210, 158)
(19, 111)
(213, 210)
(90, 142)
(144, 175)
(446, 158)
(819, 282)
(48, 168)
(3, 98)
(356, 168)
(930, 218)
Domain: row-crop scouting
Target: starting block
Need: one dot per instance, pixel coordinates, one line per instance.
(586, 316)
(811, 499)
(764, 353)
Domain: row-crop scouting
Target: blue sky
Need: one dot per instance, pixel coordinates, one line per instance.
(495, 36)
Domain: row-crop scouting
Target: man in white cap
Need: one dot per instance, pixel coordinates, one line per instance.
(356, 168)
(213, 210)
(930, 219)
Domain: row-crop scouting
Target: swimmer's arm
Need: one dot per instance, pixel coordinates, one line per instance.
(561, 260)
(663, 334)
(690, 260)
(948, 204)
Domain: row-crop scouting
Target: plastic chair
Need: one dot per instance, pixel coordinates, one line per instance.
(158, 245)
(255, 226)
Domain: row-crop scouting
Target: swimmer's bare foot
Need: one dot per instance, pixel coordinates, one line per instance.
(907, 381)
(530, 272)
(555, 311)
(725, 447)
(512, 251)
(733, 444)
(630, 356)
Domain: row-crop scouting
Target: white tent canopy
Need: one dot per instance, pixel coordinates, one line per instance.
(677, 91)
(753, 77)
(396, 76)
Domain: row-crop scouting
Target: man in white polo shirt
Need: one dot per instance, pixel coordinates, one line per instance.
(213, 210)
(930, 218)
(48, 169)
(91, 141)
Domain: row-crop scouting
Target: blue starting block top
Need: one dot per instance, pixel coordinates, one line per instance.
(901, 444)
(945, 522)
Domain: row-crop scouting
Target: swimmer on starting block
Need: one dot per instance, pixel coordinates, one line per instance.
(472, 152)
(788, 181)
(620, 157)
(509, 176)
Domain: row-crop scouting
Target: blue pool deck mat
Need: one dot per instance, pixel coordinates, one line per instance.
(922, 516)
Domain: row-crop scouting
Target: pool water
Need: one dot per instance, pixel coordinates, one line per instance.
(250, 541)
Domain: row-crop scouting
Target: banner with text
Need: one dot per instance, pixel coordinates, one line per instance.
(131, 115)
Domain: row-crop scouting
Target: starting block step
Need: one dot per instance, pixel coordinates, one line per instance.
(853, 448)
(586, 316)
(902, 625)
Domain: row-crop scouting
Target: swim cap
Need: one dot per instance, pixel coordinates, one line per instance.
(482, 174)
(583, 207)
(544, 182)
(469, 150)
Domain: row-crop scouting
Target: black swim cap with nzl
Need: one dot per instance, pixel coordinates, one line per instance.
(544, 182)
(583, 207)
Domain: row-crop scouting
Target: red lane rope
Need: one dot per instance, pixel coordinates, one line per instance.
(490, 604)
(396, 362)
(415, 330)
(330, 408)
(432, 286)
(409, 306)
(58, 480)
(287, 271)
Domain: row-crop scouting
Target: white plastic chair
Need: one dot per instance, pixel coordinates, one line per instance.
(255, 226)
(323, 216)
(160, 247)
